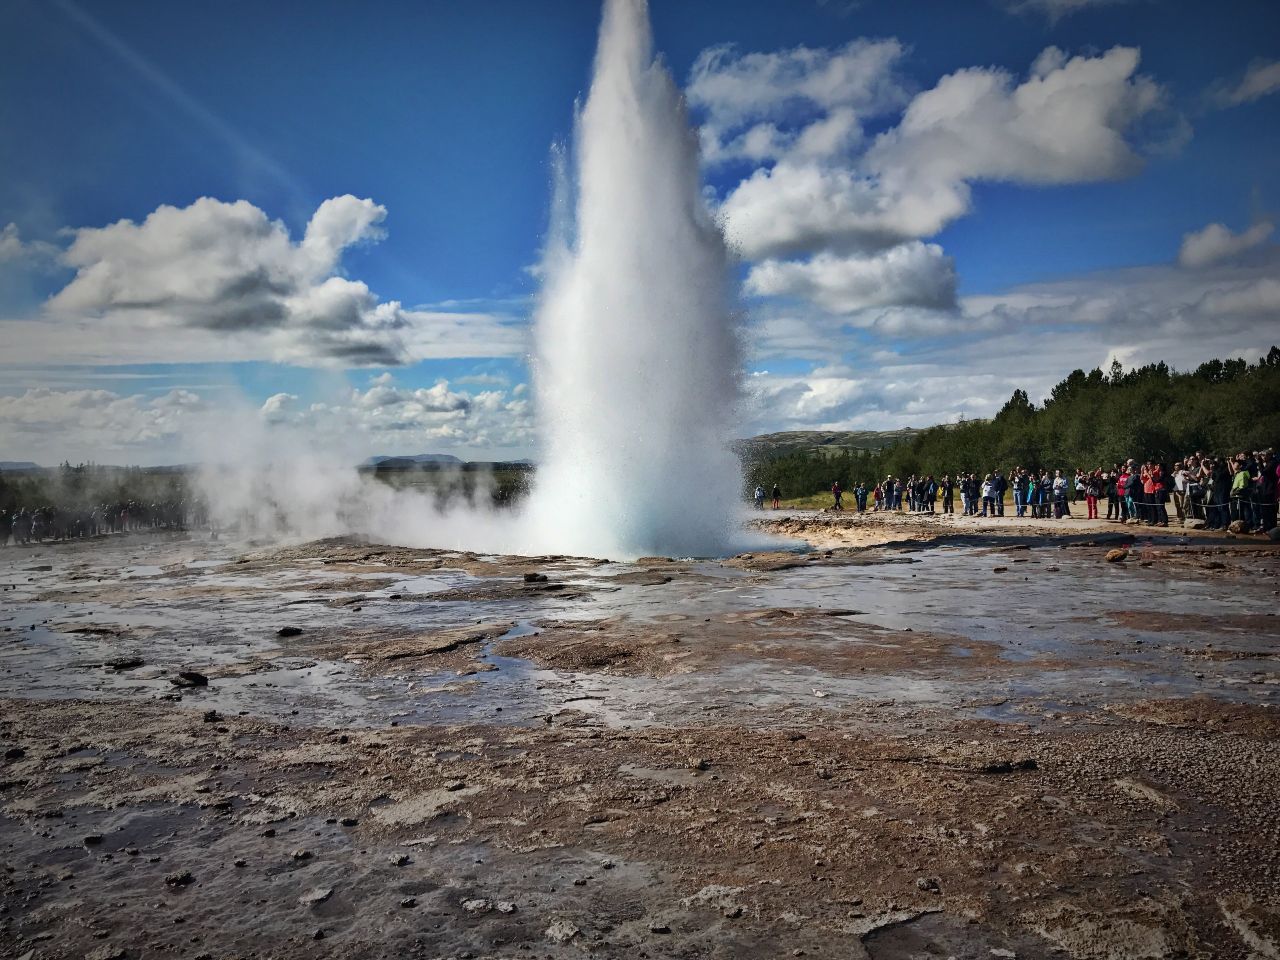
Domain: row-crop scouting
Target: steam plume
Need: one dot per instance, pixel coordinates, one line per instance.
(637, 352)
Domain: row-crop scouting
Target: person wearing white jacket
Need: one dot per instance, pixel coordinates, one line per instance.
(1060, 487)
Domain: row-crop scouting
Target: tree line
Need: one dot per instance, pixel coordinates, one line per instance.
(1089, 420)
(87, 485)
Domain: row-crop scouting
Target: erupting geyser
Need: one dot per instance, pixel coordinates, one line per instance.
(637, 367)
(638, 364)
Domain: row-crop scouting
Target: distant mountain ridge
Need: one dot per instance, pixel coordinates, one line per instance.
(415, 458)
(19, 465)
(825, 441)
(438, 463)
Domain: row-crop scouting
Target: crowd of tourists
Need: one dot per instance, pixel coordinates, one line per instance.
(1209, 491)
(51, 523)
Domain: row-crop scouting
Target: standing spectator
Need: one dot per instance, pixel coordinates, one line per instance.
(988, 495)
(860, 496)
(1137, 492)
(1060, 486)
(1193, 498)
(1020, 485)
(1218, 495)
(1092, 490)
(1240, 499)
(1269, 487)
(1141, 496)
(837, 494)
(1132, 487)
(1207, 484)
(777, 495)
(998, 486)
(1180, 491)
(1159, 496)
(948, 494)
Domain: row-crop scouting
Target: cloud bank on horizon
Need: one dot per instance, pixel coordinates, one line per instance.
(848, 180)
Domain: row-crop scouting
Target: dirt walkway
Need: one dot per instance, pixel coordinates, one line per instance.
(848, 528)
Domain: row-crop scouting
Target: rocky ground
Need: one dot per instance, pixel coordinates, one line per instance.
(975, 743)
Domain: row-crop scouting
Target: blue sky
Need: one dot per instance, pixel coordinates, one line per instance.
(1000, 258)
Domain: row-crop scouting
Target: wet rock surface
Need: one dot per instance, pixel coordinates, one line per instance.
(882, 752)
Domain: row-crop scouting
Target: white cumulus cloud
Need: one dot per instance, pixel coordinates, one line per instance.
(226, 268)
(1071, 120)
(1216, 242)
(735, 87)
(11, 246)
(15, 250)
(217, 281)
(741, 95)
(81, 421)
(1066, 123)
(48, 425)
(911, 366)
(1260, 79)
(435, 399)
(278, 407)
(1055, 10)
(796, 208)
(913, 274)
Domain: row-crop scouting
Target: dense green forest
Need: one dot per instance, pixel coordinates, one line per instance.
(1088, 420)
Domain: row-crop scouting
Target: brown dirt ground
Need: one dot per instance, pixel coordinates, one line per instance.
(1163, 827)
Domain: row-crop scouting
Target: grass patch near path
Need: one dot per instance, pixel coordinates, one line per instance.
(817, 501)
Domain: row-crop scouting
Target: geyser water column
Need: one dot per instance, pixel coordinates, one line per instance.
(637, 370)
